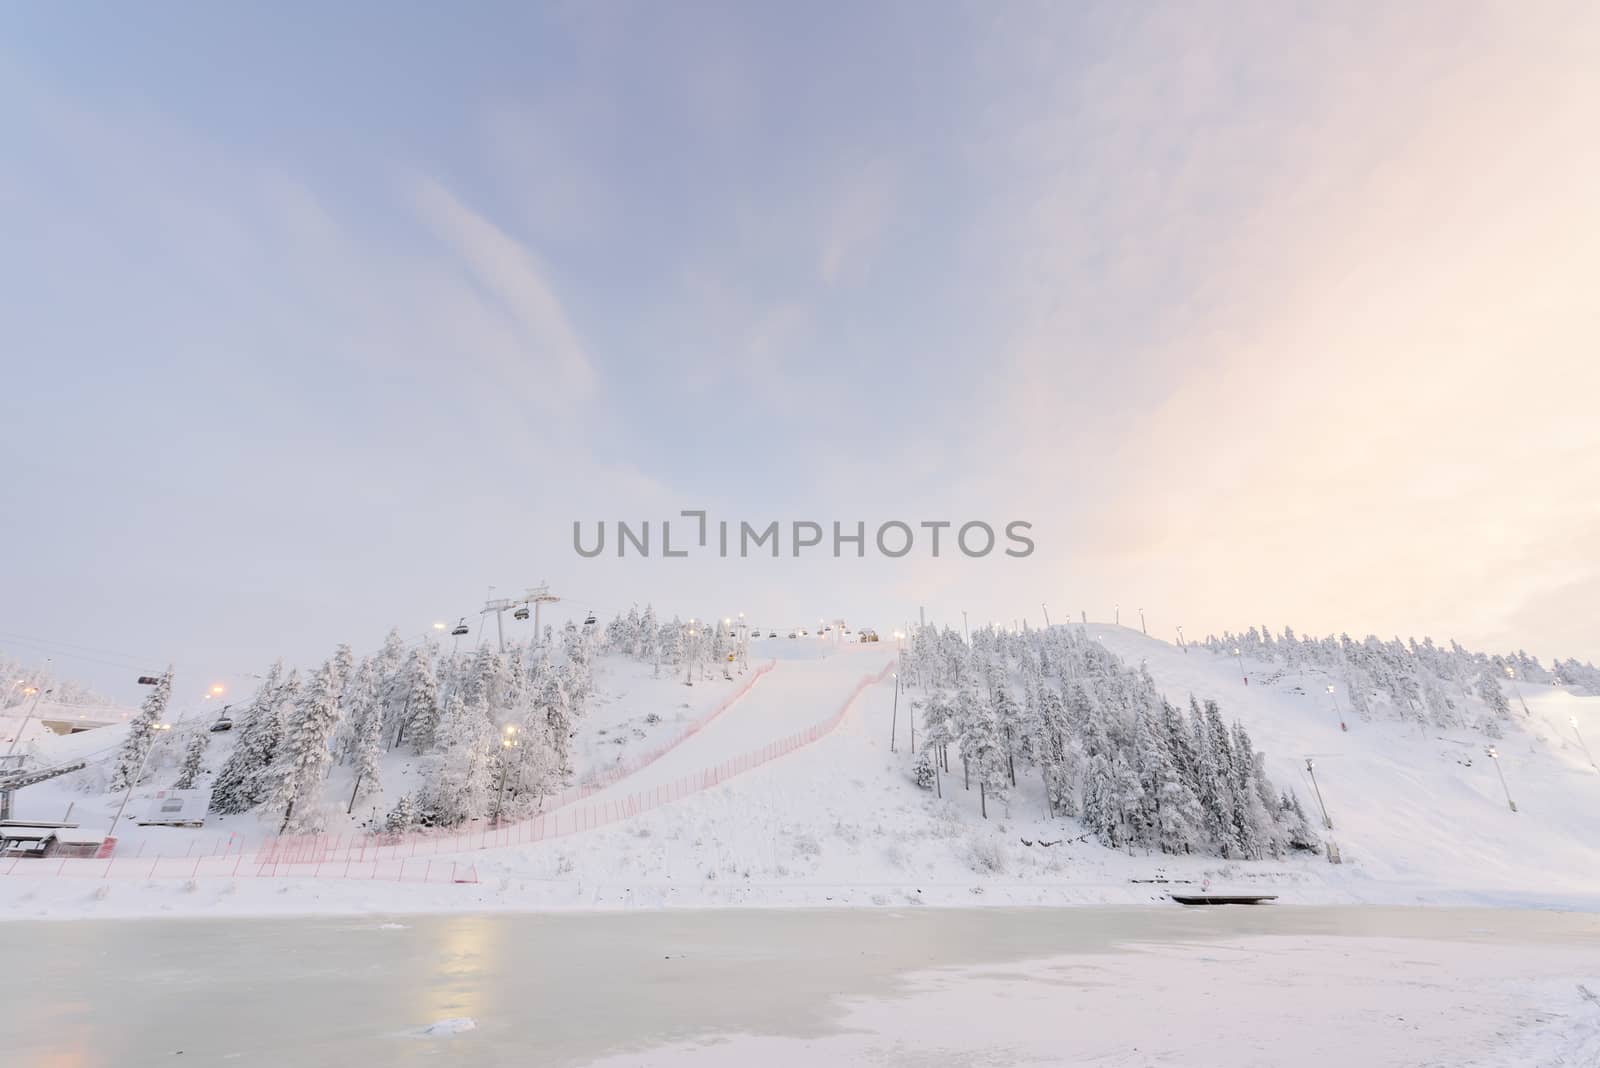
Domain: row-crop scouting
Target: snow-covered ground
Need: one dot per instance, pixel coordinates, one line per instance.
(1419, 815)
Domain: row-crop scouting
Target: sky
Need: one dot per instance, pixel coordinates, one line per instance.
(316, 321)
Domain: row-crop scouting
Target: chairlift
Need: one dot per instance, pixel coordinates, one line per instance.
(460, 629)
(590, 621)
(521, 612)
(224, 721)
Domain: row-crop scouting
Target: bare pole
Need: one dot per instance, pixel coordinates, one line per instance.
(1141, 624)
(1046, 610)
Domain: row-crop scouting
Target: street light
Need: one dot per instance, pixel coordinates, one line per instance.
(1242, 674)
(894, 722)
(1116, 614)
(508, 742)
(1495, 756)
(1182, 646)
(1141, 624)
(1311, 769)
(37, 693)
(1336, 709)
(137, 776)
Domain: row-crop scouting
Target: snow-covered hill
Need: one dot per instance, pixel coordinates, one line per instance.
(1418, 814)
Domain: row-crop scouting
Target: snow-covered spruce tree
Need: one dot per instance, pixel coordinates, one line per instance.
(650, 638)
(578, 677)
(1297, 828)
(233, 791)
(344, 662)
(555, 712)
(300, 769)
(404, 815)
(457, 777)
(420, 712)
(389, 676)
(1214, 765)
(1253, 823)
(141, 734)
(938, 728)
(193, 755)
(364, 720)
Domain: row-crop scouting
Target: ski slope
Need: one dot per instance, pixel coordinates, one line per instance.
(1419, 815)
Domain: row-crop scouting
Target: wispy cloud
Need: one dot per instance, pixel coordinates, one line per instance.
(510, 273)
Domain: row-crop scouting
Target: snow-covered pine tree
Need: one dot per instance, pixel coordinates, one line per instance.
(301, 767)
(193, 755)
(421, 710)
(141, 734)
(457, 778)
(364, 719)
(555, 711)
(234, 789)
(1214, 765)
(1297, 829)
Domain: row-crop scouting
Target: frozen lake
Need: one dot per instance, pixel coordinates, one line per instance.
(791, 986)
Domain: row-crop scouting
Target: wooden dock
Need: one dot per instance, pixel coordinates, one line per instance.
(1222, 899)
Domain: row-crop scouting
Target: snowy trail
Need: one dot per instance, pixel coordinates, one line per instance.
(795, 695)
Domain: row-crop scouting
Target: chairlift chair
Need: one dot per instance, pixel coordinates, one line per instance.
(224, 721)
(460, 629)
(590, 621)
(521, 612)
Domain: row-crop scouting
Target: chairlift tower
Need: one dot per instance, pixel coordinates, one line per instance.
(538, 596)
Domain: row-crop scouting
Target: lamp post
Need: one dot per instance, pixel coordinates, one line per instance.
(1182, 646)
(1046, 610)
(1495, 756)
(1141, 624)
(688, 658)
(507, 743)
(1336, 709)
(965, 634)
(1116, 614)
(1574, 721)
(1240, 657)
(1512, 675)
(136, 777)
(1311, 769)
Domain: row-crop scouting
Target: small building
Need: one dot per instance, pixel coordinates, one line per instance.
(49, 840)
